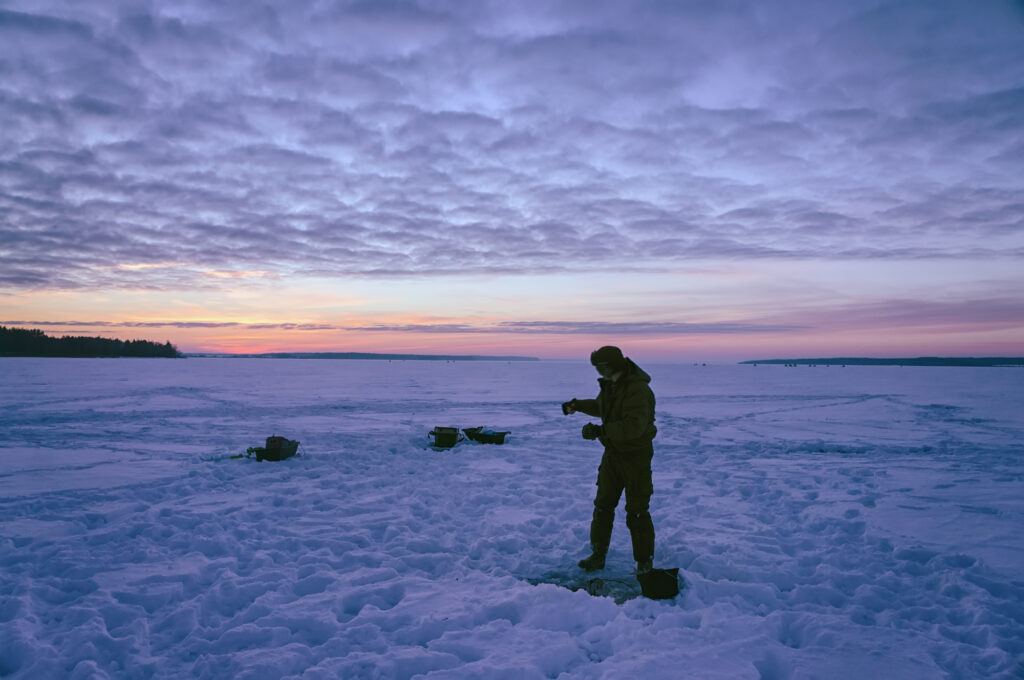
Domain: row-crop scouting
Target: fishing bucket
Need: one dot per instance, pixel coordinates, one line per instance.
(445, 437)
(659, 584)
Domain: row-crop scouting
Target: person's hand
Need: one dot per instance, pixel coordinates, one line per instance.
(569, 407)
(592, 431)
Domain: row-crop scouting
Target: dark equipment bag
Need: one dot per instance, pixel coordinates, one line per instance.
(277, 448)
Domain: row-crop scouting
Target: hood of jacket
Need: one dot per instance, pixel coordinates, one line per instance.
(631, 372)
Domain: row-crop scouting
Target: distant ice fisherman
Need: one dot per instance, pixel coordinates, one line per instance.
(625, 405)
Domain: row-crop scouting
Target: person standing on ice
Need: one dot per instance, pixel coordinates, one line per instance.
(625, 405)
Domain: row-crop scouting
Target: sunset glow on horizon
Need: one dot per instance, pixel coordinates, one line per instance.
(689, 181)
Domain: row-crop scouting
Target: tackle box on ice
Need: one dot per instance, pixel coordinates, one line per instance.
(447, 437)
(479, 434)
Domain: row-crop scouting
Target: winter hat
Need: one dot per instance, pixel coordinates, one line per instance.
(609, 355)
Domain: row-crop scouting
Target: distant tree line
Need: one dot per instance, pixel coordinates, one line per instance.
(35, 343)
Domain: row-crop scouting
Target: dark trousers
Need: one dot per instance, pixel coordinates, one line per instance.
(630, 473)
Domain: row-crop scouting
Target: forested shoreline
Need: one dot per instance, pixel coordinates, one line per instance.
(21, 342)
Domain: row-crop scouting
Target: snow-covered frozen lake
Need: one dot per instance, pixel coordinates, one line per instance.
(859, 522)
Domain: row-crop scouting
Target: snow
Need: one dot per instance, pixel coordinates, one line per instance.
(831, 522)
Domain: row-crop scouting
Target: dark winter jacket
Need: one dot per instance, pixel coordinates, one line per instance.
(626, 409)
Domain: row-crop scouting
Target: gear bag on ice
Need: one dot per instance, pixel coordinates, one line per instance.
(277, 448)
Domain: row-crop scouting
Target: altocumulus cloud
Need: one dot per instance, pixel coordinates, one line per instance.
(412, 138)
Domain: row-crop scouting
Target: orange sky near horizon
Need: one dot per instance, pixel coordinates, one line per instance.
(717, 311)
(709, 346)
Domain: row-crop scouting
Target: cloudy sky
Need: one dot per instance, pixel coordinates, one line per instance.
(733, 179)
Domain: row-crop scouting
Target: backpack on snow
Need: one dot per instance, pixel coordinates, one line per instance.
(277, 448)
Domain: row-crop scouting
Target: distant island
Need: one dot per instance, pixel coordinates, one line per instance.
(18, 342)
(918, 361)
(367, 356)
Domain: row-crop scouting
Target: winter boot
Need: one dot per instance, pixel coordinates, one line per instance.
(644, 568)
(641, 532)
(593, 563)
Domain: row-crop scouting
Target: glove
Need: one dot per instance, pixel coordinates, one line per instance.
(592, 431)
(569, 407)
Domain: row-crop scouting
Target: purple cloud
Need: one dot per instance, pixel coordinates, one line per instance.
(410, 139)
